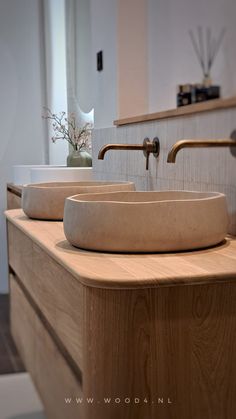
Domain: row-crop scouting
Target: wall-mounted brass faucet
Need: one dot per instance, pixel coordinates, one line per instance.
(227, 142)
(147, 147)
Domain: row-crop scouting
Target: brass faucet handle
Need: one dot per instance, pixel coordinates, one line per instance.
(151, 147)
(233, 148)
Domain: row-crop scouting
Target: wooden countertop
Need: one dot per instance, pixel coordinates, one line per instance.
(109, 270)
(208, 106)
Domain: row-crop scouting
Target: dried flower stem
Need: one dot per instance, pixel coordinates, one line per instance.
(65, 128)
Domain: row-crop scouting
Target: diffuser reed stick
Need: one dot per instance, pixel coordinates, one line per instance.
(206, 49)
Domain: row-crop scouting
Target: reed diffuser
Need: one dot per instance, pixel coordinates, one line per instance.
(206, 48)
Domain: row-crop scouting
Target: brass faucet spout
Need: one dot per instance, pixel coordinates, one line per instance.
(107, 147)
(147, 147)
(227, 142)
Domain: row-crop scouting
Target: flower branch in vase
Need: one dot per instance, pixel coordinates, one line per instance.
(79, 139)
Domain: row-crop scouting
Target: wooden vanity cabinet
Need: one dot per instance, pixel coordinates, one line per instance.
(90, 331)
(32, 328)
(49, 370)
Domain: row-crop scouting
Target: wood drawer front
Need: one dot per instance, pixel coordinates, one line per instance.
(13, 201)
(54, 290)
(51, 374)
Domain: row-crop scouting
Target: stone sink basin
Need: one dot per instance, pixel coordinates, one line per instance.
(146, 221)
(45, 201)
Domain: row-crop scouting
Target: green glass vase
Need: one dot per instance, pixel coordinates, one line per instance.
(79, 158)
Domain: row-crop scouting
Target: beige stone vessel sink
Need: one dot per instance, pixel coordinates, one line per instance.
(45, 201)
(146, 221)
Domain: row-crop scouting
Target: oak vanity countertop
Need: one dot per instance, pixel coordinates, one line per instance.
(122, 271)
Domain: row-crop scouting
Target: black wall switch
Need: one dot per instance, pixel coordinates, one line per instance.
(100, 61)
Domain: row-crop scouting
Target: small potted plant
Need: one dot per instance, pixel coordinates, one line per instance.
(79, 139)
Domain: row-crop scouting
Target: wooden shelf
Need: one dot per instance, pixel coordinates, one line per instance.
(208, 106)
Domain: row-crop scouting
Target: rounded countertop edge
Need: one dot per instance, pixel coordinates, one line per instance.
(121, 284)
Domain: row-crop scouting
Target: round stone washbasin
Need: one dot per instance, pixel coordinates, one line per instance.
(45, 201)
(146, 221)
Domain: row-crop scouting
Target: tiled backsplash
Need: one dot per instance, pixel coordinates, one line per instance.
(195, 169)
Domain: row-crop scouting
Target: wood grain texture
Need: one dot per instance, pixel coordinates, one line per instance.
(165, 352)
(50, 373)
(13, 200)
(54, 290)
(208, 106)
(107, 270)
(10, 361)
(164, 345)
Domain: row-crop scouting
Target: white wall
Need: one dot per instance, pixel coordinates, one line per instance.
(104, 37)
(172, 60)
(23, 135)
(55, 45)
(132, 56)
(79, 61)
(83, 55)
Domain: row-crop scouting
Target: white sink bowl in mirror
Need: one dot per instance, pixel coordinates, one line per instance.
(45, 201)
(25, 174)
(146, 221)
(61, 174)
